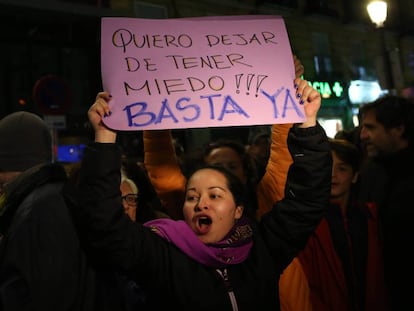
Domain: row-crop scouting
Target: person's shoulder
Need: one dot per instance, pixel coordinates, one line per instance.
(160, 214)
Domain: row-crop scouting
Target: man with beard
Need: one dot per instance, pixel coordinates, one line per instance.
(387, 178)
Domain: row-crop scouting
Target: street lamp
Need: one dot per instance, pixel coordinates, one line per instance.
(377, 11)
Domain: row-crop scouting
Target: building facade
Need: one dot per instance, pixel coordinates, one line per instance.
(50, 51)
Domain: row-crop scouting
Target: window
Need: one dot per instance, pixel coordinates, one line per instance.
(322, 59)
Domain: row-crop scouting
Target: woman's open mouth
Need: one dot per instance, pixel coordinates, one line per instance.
(203, 224)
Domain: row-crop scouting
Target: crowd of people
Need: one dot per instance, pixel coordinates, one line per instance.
(296, 221)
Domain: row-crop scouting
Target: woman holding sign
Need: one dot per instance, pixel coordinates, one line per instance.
(169, 182)
(216, 258)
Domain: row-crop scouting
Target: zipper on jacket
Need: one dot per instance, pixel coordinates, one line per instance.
(224, 275)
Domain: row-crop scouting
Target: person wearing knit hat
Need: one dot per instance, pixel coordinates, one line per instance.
(43, 266)
(25, 141)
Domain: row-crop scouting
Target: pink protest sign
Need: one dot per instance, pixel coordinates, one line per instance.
(198, 72)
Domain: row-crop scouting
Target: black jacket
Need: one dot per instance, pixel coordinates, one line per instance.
(389, 181)
(42, 265)
(172, 279)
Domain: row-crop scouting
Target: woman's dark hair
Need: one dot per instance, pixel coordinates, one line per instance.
(250, 170)
(236, 187)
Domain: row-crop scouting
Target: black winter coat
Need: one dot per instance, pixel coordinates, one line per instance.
(42, 265)
(174, 281)
(389, 181)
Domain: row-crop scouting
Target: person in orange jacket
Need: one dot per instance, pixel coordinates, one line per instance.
(341, 267)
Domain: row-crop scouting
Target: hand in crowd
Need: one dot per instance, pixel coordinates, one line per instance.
(96, 113)
(311, 100)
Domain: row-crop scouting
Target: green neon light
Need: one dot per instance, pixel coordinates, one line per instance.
(338, 89)
(328, 89)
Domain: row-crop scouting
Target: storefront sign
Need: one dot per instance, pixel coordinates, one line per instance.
(328, 89)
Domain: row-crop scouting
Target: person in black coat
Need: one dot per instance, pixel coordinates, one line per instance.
(214, 259)
(387, 178)
(42, 265)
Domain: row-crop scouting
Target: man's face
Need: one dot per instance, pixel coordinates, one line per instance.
(376, 139)
(229, 158)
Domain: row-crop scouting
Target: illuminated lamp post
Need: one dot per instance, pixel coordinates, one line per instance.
(377, 11)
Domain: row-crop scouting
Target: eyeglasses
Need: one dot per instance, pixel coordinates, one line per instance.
(130, 198)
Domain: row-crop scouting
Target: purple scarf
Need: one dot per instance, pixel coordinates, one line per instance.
(233, 249)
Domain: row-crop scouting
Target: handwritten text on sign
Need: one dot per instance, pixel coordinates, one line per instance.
(198, 72)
